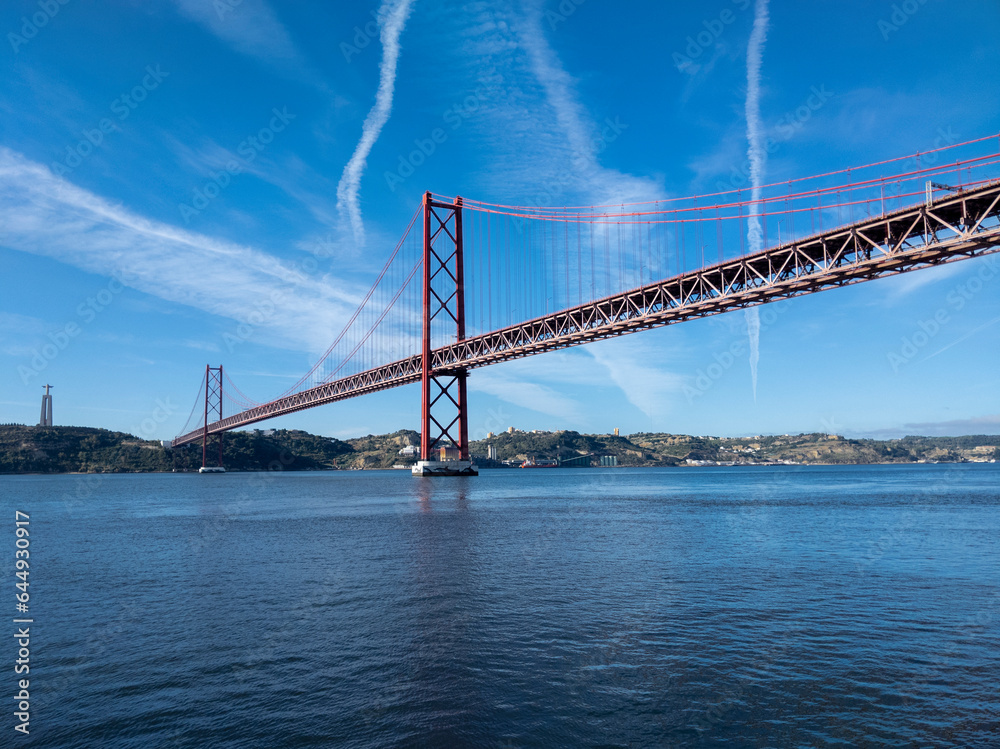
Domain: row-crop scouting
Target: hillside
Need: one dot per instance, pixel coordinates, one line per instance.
(564, 445)
(820, 448)
(59, 449)
(656, 449)
(25, 449)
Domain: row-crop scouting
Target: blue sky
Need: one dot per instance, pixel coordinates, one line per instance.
(168, 166)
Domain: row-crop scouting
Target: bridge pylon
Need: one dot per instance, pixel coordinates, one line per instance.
(213, 409)
(444, 415)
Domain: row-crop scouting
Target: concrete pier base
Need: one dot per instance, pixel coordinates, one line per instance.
(445, 468)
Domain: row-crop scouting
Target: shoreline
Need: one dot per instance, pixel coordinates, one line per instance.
(505, 468)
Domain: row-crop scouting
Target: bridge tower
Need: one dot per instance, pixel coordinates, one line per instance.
(444, 414)
(213, 409)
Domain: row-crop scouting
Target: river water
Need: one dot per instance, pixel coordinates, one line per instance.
(752, 606)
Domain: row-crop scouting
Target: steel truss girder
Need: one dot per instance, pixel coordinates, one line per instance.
(958, 226)
(403, 372)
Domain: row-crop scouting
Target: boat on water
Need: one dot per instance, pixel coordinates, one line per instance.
(532, 463)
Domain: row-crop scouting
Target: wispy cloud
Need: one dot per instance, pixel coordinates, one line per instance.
(758, 162)
(392, 16)
(965, 337)
(527, 394)
(46, 215)
(201, 345)
(16, 330)
(582, 136)
(755, 142)
(11, 321)
(542, 383)
(989, 424)
(908, 283)
(533, 138)
(292, 175)
(651, 389)
(978, 424)
(252, 28)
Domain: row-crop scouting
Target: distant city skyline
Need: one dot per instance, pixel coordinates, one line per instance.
(185, 183)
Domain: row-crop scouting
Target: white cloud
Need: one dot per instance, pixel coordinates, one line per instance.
(758, 162)
(45, 215)
(13, 322)
(965, 337)
(631, 364)
(989, 424)
(293, 176)
(251, 28)
(908, 283)
(527, 394)
(572, 119)
(975, 425)
(542, 143)
(392, 15)
(540, 383)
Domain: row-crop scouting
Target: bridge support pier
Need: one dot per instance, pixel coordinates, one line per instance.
(444, 415)
(213, 408)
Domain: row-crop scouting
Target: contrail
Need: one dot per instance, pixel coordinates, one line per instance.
(392, 16)
(758, 161)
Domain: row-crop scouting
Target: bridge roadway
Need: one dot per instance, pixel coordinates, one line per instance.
(953, 227)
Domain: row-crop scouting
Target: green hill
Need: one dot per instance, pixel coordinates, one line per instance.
(565, 445)
(821, 448)
(60, 449)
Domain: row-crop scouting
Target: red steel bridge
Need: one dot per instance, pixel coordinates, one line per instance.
(473, 283)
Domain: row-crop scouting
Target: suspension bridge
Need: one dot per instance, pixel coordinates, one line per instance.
(473, 283)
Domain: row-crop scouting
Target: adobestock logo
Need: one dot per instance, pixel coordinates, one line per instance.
(122, 107)
(249, 149)
(901, 13)
(712, 30)
(263, 311)
(787, 126)
(47, 10)
(454, 116)
(563, 11)
(224, 7)
(363, 36)
(59, 340)
(928, 328)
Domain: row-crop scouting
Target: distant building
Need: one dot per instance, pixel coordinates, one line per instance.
(609, 460)
(490, 435)
(616, 431)
(46, 419)
(450, 453)
(166, 444)
(409, 450)
(491, 452)
(510, 430)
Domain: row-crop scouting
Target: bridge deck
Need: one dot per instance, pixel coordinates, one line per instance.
(962, 225)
